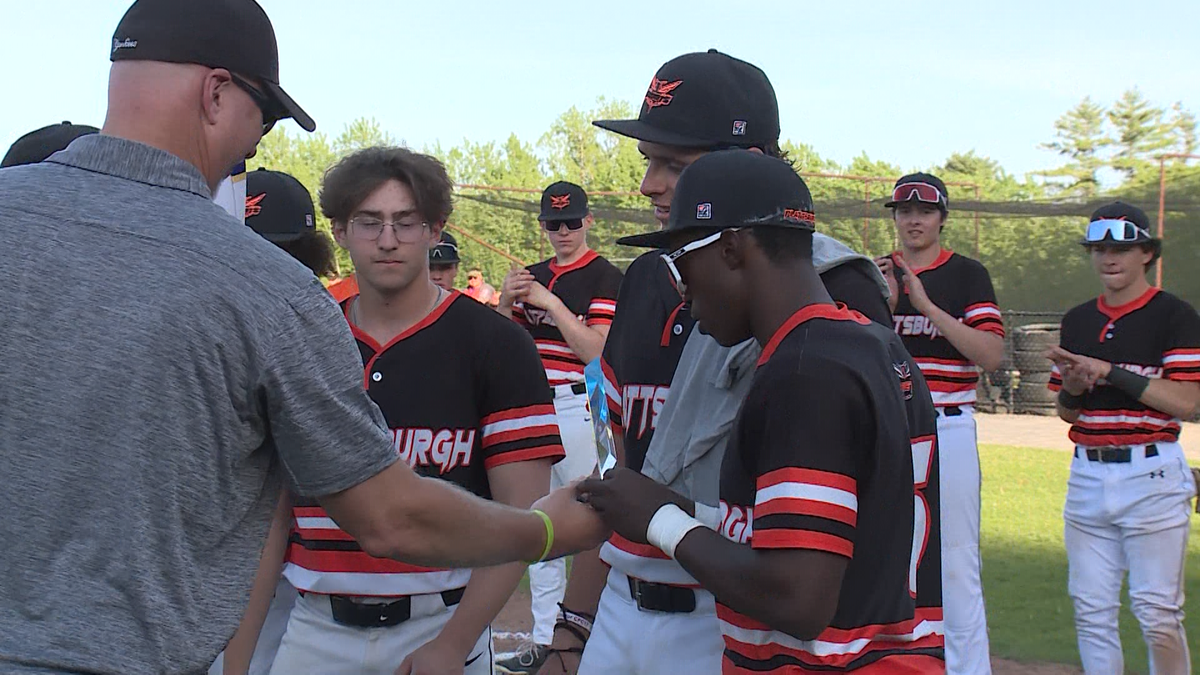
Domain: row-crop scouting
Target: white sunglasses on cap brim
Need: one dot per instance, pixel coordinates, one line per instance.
(670, 258)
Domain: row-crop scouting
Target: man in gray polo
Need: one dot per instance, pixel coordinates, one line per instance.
(163, 371)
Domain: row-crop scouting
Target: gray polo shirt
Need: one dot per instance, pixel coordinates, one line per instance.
(162, 370)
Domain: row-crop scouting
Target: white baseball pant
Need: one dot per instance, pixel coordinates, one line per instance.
(967, 650)
(271, 634)
(1130, 516)
(315, 644)
(548, 580)
(630, 641)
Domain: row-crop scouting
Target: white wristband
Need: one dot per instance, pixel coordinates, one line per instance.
(668, 527)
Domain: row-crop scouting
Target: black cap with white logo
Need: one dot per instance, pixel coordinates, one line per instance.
(231, 34)
(37, 145)
(706, 100)
(563, 201)
(734, 188)
(278, 206)
(446, 252)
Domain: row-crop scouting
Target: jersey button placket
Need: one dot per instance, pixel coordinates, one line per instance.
(376, 376)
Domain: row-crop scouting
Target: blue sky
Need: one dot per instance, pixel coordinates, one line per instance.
(908, 83)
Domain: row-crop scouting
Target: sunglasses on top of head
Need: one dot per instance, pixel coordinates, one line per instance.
(921, 192)
(1114, 230)
(556, 225)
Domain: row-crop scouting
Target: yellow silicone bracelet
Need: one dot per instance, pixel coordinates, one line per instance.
(549, 535)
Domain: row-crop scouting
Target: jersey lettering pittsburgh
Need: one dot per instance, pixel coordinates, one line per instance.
(589, 289)
(1157, 336)
(962, 288)
(805, 470)
(463, 391)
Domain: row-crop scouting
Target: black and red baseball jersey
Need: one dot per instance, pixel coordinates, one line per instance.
(1157, 335)
(962, 288)
(822, 459)
(462, 391)
(589, 288)
(642, 351)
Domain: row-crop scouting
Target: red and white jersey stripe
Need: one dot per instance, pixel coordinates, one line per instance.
(645, 562)
(752, 647)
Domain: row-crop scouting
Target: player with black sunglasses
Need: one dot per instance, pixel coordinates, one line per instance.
(567, 304)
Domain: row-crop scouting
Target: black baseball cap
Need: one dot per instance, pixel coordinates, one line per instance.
(734, 188)
(705, 100)
(37, 145)
(563, 201)
(278, 206)
(231, 34)
(446, 252)
(909, 188)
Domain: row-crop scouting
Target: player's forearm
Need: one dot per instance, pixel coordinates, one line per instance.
(1178, 399)
(739, 578)
(485, 595)
(427, 521)
(587, 343)
(241, 646)
(981, 347)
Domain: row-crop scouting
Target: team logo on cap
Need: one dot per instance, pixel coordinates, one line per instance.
(254, 205)
(904, 374)
(739, 127)
(560, 202)
(704, 211)
(308, 221)
(799, 216)
(659, 93)
(123, 44)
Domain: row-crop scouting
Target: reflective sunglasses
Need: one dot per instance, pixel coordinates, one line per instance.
(922, 192)
(1114, 230)
(670, 258)
(556, 225)
(265, 105)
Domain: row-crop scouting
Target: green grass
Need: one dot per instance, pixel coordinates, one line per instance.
(1025, 563)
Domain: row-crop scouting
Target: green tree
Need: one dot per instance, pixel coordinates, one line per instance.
(1183, 131)
(1142, 133)
(1081, 138)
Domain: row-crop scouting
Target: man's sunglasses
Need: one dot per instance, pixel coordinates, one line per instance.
(675, 255)
(265, 104)
(1119, 231)
(556, 225)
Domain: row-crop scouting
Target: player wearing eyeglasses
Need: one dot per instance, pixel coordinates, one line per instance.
(466, 399)
(1126, 372)
(567, 304)
(945, 311)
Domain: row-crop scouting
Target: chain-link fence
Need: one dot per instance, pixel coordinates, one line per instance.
(1020, 384)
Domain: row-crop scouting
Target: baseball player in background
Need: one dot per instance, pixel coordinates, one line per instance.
(945, 312)
(696, 103)
(443, 262)
(1126, 372)
(466, 399)
(39, 144)
(813, 561)
(567, 304)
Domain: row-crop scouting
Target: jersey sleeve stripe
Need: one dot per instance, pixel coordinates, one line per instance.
(540, 410)
(603, 305)
(524, 434)
(988, 309)
(807, 507)
(811, 477)
(555, 452)
(805, 492)
(802, 539)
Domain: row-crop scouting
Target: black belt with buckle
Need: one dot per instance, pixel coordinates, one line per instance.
(662, 597)
(576, 388)
(950, 411)
(350, 612)
(1116, 455)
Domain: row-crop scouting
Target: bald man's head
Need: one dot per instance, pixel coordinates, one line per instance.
(202, 115)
